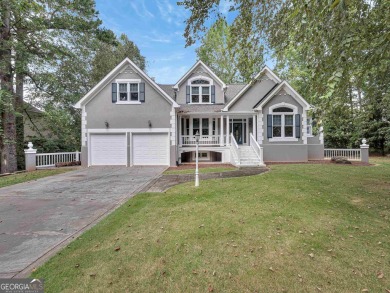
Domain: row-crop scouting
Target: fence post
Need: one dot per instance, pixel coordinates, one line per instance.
(77, 156)
(364, 151)
(30, 157)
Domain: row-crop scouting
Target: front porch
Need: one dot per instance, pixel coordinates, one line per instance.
(223, 139)
(215, 130)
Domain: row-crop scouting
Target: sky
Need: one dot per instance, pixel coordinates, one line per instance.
(157, 28)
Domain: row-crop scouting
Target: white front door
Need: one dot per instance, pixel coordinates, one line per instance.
(108, 149)
(150, 149)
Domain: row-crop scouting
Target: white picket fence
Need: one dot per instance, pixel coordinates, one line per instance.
(350, 154)
(51, 159)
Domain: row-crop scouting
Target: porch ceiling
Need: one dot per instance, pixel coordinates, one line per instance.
(207, 108)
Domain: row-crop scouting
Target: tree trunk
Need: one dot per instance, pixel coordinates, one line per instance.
(8, 138)
(19, 106)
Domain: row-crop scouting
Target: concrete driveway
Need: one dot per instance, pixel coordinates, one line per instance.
(37, 218)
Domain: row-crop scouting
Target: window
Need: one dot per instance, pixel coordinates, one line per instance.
(202, 156)
(129, 91)
(195, 126)
(277, 126)
(123, 92)
(200, 91)
(195, 94)
(205, 94)
(205, 126)
(288, 125)
(281, 123)
(133, 91)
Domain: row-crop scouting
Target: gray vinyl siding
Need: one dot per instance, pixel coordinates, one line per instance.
(285, 153)
(156, 109)
(315, 151)
(280, 98)
(181, 94)
(252, 96)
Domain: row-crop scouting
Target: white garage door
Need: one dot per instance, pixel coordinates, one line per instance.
(150, 149)
(108, 149)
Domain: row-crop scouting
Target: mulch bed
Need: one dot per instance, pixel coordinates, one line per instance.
(164, 182)
(201, 165)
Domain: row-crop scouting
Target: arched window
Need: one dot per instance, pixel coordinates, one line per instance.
(283, 122)
(200, 91)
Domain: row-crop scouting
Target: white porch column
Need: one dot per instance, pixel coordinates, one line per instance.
(260, 128)
(221, 142)
(227, 130)
(247, 131)
(191, 128)
(180, 130)
(254, 124)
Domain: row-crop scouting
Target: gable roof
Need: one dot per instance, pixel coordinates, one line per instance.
(232, 90)
(209, 71)
(97, 88)
(168, 88)
(289, 89)
(265, 71)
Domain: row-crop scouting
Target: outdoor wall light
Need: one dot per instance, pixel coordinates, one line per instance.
(107, 124)
(150, 123)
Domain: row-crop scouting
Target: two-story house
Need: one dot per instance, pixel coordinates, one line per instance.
(128, 119)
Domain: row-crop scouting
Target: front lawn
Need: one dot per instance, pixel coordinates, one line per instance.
(28, 176)
(297, 228)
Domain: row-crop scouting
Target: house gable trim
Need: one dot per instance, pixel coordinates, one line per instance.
(289, 89)
(267, 71)
(97, 88)
(209, 71)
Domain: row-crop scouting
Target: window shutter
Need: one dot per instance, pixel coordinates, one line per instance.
(297, 125)
(269, 126)
(142, 92)
(213, 94)
(114, 92)
(188, 94)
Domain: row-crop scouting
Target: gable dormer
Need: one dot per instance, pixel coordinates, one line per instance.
(200, 85)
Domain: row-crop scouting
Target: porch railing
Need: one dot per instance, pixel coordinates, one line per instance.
(256, 147)
(51, 159)
(187, 140)
(234, 149)
(350, 154)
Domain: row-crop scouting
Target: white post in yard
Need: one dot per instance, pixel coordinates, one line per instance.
(364, 151)
(30, 157)
(197, 136)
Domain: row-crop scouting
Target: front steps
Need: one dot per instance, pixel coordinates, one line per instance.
(248, 157)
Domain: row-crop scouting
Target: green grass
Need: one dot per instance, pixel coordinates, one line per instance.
(201, 170)
(298, 228)
(28, 176)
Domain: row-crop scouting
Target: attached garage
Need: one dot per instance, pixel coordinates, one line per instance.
(108, 149)
(150, 149)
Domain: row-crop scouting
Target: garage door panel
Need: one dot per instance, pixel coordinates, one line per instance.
(108, 149)
(150, 149)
